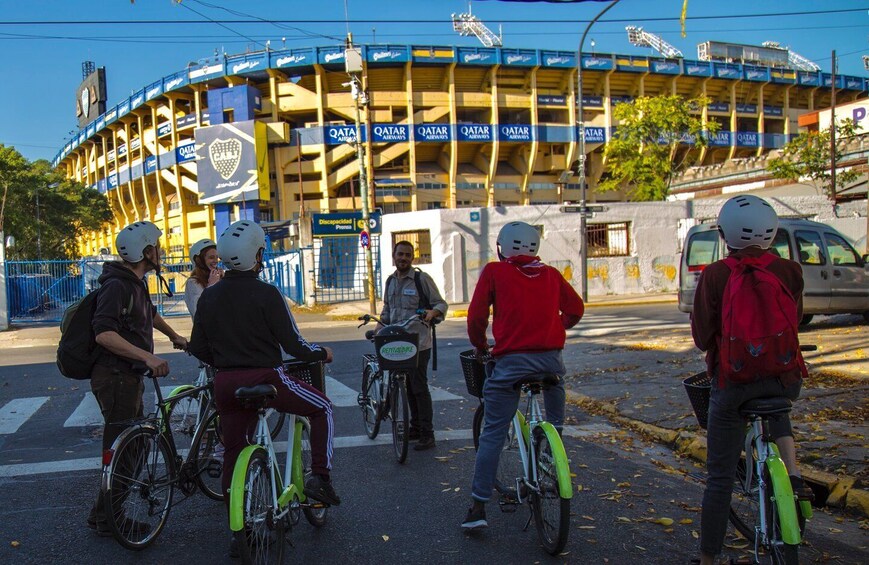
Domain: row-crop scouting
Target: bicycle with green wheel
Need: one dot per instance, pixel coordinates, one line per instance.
(533, 467)
(145, 465)
(763, 508)
(264, 502)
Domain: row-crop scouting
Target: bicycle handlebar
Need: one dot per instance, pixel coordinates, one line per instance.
(366, 318)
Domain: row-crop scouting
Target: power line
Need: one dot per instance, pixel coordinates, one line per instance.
(425, 21)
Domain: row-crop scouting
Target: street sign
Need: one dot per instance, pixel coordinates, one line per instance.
(580, 209)
(364, 239)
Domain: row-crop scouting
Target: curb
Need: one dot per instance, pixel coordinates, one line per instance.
(842, 493)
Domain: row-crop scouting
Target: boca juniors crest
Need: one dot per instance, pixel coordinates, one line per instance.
(232, 162)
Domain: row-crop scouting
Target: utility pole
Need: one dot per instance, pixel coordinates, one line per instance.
(833, 132)
(583, 216)
(353, 66)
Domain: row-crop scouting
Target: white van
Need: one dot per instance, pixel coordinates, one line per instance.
(836, 277)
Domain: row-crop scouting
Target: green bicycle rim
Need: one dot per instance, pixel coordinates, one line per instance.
(565, 489)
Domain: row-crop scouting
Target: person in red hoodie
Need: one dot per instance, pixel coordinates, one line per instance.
(532, 307)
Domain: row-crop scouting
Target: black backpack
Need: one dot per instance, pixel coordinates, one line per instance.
(424, 303)
(77, 350)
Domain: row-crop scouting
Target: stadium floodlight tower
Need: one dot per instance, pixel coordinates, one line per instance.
(795, 59)
(469, 24)
(642, 38)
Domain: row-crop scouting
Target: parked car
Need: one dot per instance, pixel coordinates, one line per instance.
(836, 276)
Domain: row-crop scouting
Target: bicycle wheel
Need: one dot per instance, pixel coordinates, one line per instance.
(400, 423)
(139, 488)
(183, 415)
(262, 540)
(275, 420)
(510, 460)
(316, 515)
(370, 401)
(208, 458)
(551, 512)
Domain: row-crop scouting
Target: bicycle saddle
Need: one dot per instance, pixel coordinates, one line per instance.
(766, 406)
(255, 392)
(544, 380)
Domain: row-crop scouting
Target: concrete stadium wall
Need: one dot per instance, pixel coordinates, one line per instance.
(463, 240)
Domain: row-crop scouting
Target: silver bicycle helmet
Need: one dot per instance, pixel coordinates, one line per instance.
(747, 220)
(133, 240)
(238, 245)
(200, 246)
(518, 238)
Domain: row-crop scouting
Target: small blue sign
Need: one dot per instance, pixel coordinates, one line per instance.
(389, 133)
(592, 101)
(595, 135)
(698, 69)
(551, 100)
(746, 108)
(560, 59)
(719, 106)
(515, 132)
(336, 135)
(364, 240)
(432, 132)
(475, 216)
(474, 132)
(773, 110)
(164, 129)
(666, 67)
(292, 58)
(186, 152)
(746, 139)
(344, 223)
(154, 90)
(389, 54)
(597, 63)
(720, 139)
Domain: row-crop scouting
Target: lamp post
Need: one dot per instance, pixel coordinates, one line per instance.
(583, 215)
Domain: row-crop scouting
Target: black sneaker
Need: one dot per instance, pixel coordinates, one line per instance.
(801, 490)
(425, 443)
(476, 518)
(234, 551)
(321, 489)
(413, 434)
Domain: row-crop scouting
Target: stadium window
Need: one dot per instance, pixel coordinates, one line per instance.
(421, 240)
(434, 205)
(608, 240)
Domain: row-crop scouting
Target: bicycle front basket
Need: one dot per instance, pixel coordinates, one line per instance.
(311, 373)
(699, 388)
(397, 350)
(475, 371)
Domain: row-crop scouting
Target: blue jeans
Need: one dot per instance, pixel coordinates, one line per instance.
(501, 402)
(725, 437)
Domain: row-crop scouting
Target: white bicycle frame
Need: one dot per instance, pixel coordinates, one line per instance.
(263, 437)
(754, 438)
(526, 451)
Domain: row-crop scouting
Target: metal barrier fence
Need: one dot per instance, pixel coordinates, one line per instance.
(339, 269)
(40, 291)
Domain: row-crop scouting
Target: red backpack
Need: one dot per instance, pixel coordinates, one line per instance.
(758, 324)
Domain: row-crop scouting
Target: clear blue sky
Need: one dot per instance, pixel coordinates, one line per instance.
(42, 63)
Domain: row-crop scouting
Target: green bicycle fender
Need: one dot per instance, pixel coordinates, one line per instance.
(298, 474)
(236, 488)
(523, 425)
(805, 507)
(565, 488)
(178, 390)
(784, 497)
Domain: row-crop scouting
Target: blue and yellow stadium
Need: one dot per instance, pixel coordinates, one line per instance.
(269, 134)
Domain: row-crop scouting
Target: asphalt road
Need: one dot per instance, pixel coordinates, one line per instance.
(390, 513)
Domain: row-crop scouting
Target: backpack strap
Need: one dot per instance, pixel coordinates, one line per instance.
(424, 300)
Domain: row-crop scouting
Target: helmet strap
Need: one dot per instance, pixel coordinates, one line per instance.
(156, 267)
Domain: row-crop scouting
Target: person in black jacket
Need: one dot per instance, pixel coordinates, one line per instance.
(123, 322)
(240, 326)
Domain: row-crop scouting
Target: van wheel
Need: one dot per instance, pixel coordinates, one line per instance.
(807, 319)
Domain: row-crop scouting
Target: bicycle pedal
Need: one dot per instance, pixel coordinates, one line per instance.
(362, 400)
(508, 504)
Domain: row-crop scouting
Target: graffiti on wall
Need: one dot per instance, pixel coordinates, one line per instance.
(664, 271)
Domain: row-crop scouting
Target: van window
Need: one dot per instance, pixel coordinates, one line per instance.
(780, 245)
(811, 249)
(841, 253)
(702, 250)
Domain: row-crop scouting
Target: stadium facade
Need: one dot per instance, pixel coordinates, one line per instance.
(267, 135)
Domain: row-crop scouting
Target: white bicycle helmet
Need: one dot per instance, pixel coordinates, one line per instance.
(747, 220)
(133, 240)
(200, 246)
(518, 238)
(238, 245)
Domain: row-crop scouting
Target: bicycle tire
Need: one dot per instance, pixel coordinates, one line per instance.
(371, 389)
(139, 487)
(400, 419)
(208, 458)
(510, 460)
(262, 539)
(183, 415)
(316, 515)
(551, 512)
(275, 421)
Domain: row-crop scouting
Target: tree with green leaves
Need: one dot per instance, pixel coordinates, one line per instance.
(808, 156)
(43, 210)
(643, 154)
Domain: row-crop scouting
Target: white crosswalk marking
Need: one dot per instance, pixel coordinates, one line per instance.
(18, 411)
(601, 325)
(87, 413)
(342, 395)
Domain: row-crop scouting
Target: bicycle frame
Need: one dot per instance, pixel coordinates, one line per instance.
(768, 456)
(291, 486)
